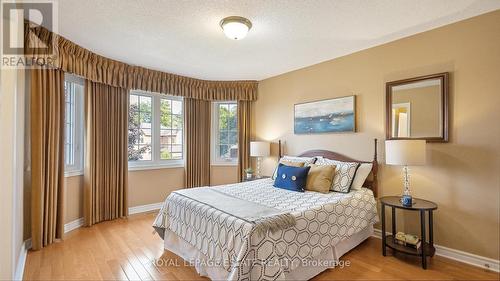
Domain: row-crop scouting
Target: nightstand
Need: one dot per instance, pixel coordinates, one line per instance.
(255, 178)
(427, 248)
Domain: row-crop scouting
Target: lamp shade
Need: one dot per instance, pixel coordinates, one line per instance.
(259, 148)
(405, 152)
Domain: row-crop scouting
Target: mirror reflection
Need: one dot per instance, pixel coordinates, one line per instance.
(416, 109)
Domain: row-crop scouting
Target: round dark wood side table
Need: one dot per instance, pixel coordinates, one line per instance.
(427, 247)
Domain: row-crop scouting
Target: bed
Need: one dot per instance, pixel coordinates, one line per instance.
(226, 234)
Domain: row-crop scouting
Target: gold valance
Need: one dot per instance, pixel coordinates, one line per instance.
(77, 60)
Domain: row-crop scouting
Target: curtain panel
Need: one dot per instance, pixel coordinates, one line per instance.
(78, 60)
(244, 117)
(197, 126)
(106, 155)
(47, 156)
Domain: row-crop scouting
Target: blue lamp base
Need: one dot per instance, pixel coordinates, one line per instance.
(406, 200)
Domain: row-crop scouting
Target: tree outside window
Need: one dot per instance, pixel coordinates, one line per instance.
(155, 130)
(225, 131)
(139, 129)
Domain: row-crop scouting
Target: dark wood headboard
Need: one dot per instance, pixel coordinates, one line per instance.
(369, 183)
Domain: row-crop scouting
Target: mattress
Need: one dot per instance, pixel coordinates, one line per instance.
(322, 220)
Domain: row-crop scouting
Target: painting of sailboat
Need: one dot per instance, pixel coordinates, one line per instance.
(326, 116)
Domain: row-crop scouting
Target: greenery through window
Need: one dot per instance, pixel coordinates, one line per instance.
(226, 131)
(155, 130)
(139, 130)
(171, 129)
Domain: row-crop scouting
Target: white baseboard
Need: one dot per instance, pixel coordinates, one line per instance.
(72, 225)
(21, 262)
(461, 256)
(144, 208)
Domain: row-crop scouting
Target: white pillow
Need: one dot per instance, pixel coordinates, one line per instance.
(344, 174)
(361, 174)
(306, 160)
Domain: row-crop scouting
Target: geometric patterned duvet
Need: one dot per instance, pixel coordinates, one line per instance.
(229, 242)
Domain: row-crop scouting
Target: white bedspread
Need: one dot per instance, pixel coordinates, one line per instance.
(322, 220)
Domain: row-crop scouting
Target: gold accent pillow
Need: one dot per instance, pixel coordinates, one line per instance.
(320, 178)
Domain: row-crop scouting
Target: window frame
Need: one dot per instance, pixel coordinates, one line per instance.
(79, 129)
(156, 162)
(215, 159)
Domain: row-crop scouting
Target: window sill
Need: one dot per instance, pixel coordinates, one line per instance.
(154, 167)
(69, 174)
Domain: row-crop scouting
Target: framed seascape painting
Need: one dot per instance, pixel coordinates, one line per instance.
(326, 116)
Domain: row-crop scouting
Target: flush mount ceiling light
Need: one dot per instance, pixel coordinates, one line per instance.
(235, 27)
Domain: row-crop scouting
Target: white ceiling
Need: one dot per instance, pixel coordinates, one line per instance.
(184, 37)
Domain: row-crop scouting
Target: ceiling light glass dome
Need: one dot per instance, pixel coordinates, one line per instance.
(235, 27)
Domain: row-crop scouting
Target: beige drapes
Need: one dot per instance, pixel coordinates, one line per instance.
(197, 126)
(47, 157)
(106, 156)
(244, 117)
(106, 127)
(75, 59)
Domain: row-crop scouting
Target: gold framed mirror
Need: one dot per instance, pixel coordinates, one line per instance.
(417, 108)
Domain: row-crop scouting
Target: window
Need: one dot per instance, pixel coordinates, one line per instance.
(225, 133)
(73, 125)
(170, 129)
(155, 132)
(139, 128)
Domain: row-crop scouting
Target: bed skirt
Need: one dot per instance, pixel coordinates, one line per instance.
(305, 271)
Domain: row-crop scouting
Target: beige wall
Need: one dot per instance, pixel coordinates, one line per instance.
(145, 187)
(73, 204)
(462, 176)
(153, 186)
(223, 175)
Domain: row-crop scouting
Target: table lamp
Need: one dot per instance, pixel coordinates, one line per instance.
(405, 153)
(259, 149)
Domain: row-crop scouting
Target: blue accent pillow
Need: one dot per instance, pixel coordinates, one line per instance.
(291, 178)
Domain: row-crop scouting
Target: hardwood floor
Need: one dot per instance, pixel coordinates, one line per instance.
(126, 250)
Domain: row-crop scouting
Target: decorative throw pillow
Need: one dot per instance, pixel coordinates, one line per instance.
(291, 178)
(320, 178)
(361, 174)
(288, 160)
(293, 164)
(344, 174)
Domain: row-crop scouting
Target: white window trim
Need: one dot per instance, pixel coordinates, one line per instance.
(156, 162)
(216, 161)
(78, 167)
(152, 166)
